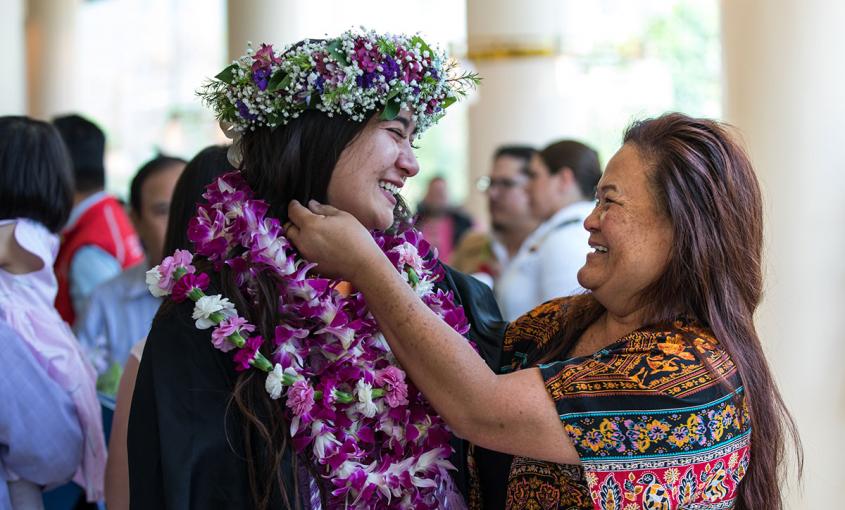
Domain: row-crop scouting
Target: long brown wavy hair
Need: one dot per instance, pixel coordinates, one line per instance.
(703, 180)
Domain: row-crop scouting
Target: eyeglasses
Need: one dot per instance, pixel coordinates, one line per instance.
(487, 183)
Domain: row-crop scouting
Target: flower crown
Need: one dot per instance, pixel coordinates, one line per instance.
(351, 75)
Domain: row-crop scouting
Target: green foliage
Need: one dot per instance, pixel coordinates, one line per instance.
(391, 107)
(687, 40)
(110, 379)
(418, 40)
(386, 47)
(279, 81)
(336, 51)
(227, 75)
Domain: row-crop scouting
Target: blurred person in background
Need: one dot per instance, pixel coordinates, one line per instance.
(36, 196)
(562, 181)
(98, 241)
(119, 311)
(206, 166)
(442, 224)
(484, 255)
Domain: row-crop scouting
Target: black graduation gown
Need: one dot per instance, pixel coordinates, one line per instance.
(185, 442)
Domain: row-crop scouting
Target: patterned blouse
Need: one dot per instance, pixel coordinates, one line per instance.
(653, 425)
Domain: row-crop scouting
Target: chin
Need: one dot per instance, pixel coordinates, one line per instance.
(382, 222)
(584, 280)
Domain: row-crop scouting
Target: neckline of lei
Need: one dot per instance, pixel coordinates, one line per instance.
(370, 433)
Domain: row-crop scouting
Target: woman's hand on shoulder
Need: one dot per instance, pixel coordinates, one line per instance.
(333, 239)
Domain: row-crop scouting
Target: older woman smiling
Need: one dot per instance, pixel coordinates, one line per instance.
(656, 374)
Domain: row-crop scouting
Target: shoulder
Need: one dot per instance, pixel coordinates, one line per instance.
(173, 328)
(535, 329)
(681, 361)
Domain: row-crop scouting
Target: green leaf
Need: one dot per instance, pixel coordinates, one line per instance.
(391, 106)
(276, 81)
(302, 61)
(413, 277)
(449, 101)
(417, 39)
(336, 51)
(227, 75)
(386, 47)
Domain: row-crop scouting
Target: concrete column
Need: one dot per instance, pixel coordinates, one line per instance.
(784, 83)
(13, 87)
(51, 57)
(275, 22)
(513, 46)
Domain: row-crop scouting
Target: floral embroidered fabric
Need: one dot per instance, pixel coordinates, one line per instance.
(654, 425)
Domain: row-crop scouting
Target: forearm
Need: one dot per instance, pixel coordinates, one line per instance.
(440, 361)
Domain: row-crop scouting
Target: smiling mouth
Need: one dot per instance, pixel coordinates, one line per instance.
(599, 249)
(392, 188)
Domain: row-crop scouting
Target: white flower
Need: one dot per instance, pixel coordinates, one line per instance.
(424, 287)
(152, 279)
(207, 305)
(366, 406)
(273, 384)
(323, 438)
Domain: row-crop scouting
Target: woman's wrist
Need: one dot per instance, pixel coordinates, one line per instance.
(374, 266)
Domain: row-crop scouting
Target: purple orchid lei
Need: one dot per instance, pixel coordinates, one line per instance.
(368, 431)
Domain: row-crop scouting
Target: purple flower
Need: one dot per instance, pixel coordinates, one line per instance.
(207, 230)
(365, 80)
(367, 59)
(319, 84)
(230, 326)
(392, 380)
(246, 353)
(260, 77)
(227, 189)
(301, 398)
(243, 110)
(180, 258)
(264, 57)
(187, 284)
(353, 482)
(390, 69)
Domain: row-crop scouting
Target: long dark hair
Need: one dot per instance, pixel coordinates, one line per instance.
(36, 177)
(295, 161)
(704, 181)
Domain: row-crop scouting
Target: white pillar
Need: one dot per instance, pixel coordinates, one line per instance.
(13, 86)
(276, 22)
(51, 57)
(513, 47)
(784, 86)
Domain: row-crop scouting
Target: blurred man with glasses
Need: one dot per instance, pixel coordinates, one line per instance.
(485, 255)
(561, 182)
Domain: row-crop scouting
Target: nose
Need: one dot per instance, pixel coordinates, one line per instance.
(407, 161)
(591, 222)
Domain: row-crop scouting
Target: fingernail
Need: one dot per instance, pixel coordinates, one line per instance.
(312, 203)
